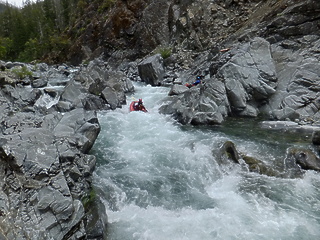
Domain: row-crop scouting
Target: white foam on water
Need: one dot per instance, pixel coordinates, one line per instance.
(161, 181)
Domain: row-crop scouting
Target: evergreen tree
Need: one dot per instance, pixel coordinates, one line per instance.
(36, 29)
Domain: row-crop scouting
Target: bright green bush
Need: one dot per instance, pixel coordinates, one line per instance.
(22, 72)
(165, 52)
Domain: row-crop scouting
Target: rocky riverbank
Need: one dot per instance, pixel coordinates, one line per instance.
(48, 125)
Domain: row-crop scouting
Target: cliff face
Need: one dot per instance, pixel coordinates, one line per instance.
(268, 68)
(132, 29)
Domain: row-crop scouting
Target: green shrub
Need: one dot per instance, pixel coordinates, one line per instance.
(22, 72)
(5, 46)
(33, 50)
(89, 199)
(165, 52)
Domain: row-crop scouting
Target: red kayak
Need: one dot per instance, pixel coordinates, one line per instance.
(134, 106)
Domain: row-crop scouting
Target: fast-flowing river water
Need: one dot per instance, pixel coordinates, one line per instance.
(160, 180)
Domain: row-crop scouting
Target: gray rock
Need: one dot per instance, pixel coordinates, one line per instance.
(151, 70)
(39, 83)
(299, 159)
(250, 74)
(110, 96)
(82, 125)
(177, 89)
(316, 137)
(44, 163)
(229, 152)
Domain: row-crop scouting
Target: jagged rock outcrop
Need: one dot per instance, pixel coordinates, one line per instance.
(133, 29)
(273, 76)
(245, 80)
(46, 135)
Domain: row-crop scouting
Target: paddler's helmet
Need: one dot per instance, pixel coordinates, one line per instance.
(140, 101)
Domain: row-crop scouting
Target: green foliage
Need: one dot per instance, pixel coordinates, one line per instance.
(59, 42)
(106, 4)
(36, 29)
(22, 72)
(31, 51)
(2, 6)
(5, 46)
(39, 28)
(164, 51)
(89, 198)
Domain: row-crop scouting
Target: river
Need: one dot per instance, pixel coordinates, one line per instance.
(159, 180)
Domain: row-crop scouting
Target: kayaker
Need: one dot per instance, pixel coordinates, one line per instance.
(139, 106)
(197, 81)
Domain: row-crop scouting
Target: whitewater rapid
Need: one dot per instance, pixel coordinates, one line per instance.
(160, 181)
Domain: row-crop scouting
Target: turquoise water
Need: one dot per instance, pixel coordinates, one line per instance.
(160, 180)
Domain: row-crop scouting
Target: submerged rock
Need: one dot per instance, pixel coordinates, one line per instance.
(228, 153)
(304, 158)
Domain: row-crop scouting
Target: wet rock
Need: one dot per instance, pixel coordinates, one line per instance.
(305, 158)
(290, 126)
(39, 83)
(228, 151)
(96, 219)
(258, 166)
(316, 137)
(177, 90)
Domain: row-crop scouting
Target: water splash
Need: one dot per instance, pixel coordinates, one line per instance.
(160, 180)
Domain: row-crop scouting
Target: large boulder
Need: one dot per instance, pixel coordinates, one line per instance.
(196, 106)
(151, 70)
(297, 95)
(79, 125)
(244, 81)
(249, 76)
(299, 159)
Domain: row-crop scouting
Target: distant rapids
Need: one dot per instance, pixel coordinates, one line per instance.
(159, 180)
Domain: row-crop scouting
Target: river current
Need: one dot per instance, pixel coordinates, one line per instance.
(160, 180)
